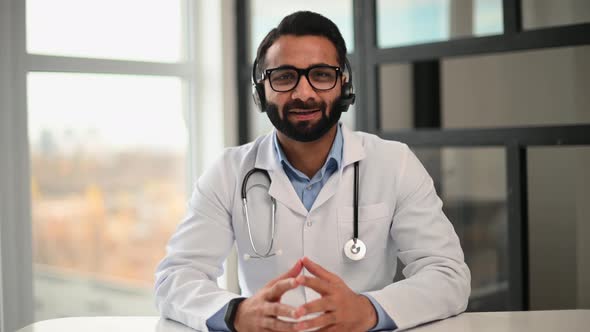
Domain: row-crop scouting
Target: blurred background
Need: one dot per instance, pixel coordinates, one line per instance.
(110, 110)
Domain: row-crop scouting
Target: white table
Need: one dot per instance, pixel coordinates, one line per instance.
(107, 324)
(516, 321)
(533, 321)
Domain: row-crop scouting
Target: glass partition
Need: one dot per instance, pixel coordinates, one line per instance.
(408, 22)
(472, 185)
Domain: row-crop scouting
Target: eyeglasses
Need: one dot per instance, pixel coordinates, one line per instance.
(286, 78)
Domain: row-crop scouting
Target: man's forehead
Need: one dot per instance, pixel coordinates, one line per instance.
(301, 51)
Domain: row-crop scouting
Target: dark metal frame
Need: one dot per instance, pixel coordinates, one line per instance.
(571, 35)
(524, 136)
(425, 62)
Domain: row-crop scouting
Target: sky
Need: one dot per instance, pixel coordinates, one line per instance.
(116, 111)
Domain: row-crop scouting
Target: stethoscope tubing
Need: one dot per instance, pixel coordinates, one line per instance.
(274, 209)
(273, 215)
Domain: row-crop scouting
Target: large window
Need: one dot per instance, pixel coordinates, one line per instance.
(109, 111)
(108, 156)
(107, 29)
(108, 127)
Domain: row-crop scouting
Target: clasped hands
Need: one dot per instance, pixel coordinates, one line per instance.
(340, 308)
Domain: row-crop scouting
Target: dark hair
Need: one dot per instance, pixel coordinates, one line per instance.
(302, 23)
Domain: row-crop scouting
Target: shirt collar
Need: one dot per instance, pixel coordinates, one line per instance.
(334, 157)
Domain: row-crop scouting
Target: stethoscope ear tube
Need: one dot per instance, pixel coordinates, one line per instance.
(247, 176)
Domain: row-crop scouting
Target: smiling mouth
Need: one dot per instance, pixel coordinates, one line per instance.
(303, 112)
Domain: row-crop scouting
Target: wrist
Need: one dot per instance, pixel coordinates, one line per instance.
(232, 314)
(237, 319)
(370, 313)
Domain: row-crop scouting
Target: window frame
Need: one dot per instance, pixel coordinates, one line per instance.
(16, 263)
(425, 61)
(16, 286)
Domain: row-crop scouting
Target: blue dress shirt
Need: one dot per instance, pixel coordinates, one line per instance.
(308, 190)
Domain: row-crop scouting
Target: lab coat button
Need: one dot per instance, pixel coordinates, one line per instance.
(308, 187)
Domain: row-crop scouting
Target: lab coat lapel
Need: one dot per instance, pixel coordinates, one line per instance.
(281, 188)
(352, 151)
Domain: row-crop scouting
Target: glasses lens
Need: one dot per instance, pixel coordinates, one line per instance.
(283, 79)
(323, 78)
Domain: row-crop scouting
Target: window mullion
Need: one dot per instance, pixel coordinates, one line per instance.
(15, 211)
(48, 63)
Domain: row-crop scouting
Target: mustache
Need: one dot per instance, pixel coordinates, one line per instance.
(300, 104)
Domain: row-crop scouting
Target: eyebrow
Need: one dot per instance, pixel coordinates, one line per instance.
(312, 65)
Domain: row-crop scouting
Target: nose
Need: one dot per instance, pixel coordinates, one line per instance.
(303, 90)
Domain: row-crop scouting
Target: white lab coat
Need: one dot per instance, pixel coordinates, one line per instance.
(399, 216)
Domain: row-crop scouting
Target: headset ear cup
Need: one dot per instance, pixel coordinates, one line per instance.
(258, 96)
(255, 96)
(347, 97)
(258, 89)
(261, 97)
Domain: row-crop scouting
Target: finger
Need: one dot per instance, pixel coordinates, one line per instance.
(294, 271)
(277, 290)
(323, 304)
(320, 321)
(279, 309)
(275, 324)
(318, 271)
(321, 286)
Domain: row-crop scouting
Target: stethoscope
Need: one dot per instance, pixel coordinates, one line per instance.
(354, 249)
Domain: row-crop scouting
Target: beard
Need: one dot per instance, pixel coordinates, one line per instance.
(305, 131)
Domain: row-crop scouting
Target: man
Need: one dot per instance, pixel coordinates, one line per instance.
(318, 261)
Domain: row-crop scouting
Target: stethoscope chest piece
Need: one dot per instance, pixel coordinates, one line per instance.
(355, 249)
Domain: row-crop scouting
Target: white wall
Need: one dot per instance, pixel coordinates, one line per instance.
(216, 93)
(215, 86)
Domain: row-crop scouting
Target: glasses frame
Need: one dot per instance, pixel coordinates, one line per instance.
(300, 72)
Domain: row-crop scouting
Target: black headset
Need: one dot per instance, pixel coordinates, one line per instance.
(346, 98)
